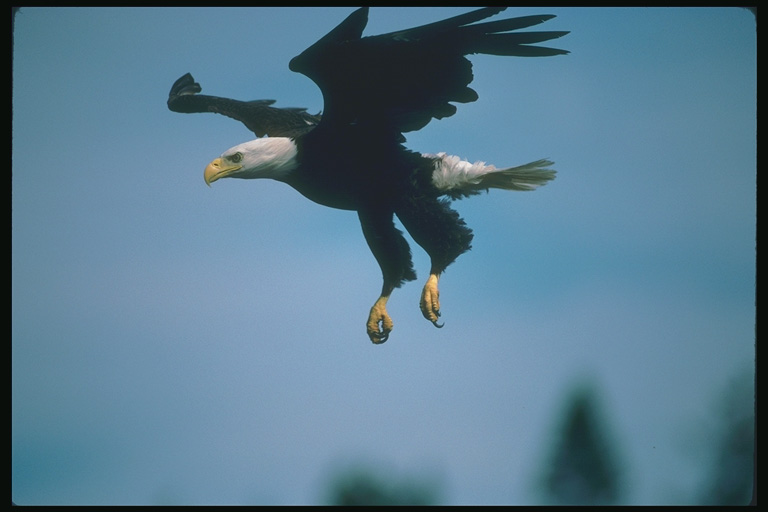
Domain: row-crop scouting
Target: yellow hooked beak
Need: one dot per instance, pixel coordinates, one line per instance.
(219, 169)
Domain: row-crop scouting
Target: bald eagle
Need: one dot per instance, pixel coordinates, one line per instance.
(375, 89)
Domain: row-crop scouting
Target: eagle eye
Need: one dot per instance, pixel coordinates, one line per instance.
(236, 158)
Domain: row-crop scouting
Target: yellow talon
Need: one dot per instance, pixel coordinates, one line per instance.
(430, 300)
(378, 315)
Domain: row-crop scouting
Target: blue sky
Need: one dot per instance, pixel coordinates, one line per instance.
(174, 343)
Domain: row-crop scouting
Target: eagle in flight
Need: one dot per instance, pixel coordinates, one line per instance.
(352, 157)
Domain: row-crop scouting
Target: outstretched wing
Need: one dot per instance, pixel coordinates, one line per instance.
(258, 116)
(404, 79)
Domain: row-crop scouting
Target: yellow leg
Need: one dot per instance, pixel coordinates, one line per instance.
(430, 300)
(379, 333)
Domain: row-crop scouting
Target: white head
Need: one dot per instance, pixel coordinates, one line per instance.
(270, 157)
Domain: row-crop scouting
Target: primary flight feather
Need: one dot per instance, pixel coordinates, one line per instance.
(352, 157)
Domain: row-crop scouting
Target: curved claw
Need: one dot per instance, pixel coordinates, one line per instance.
(378, 337)
(434, 322)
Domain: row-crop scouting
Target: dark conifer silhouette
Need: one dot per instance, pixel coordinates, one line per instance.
(582, 467)
(362, 487)
(731, 478)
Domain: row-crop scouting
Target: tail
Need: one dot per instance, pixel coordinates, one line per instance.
(459, 178)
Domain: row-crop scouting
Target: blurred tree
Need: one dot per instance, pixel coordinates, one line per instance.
(364, 487)
(582, 467)
(732, 476)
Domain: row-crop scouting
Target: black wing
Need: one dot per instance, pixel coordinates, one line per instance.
(406, 78)
(258, 116)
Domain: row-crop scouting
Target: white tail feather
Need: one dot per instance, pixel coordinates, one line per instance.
(456, 176)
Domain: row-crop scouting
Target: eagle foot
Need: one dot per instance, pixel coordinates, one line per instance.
(379, 322)
(430, 301)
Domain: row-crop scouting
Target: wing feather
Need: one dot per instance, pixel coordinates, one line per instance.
(404, 79)
(258, 115)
